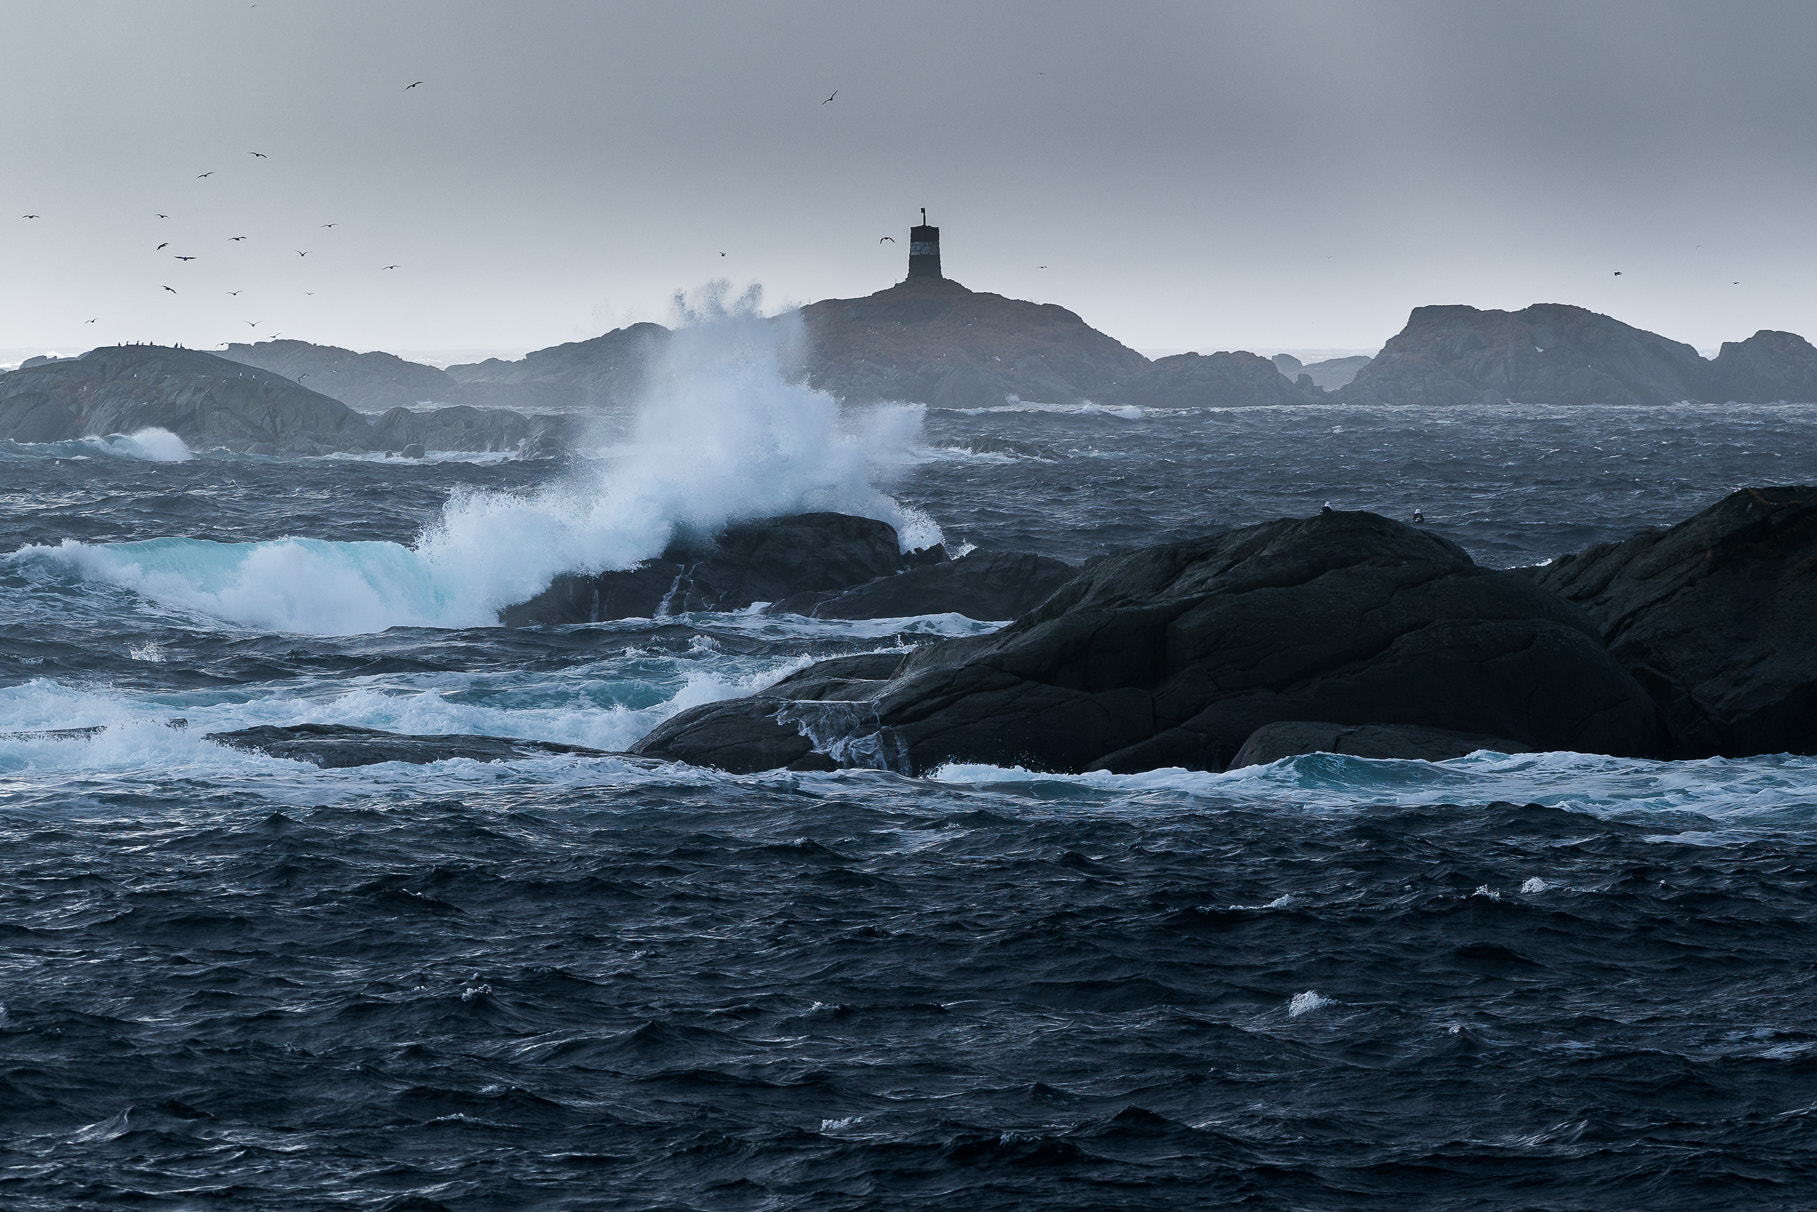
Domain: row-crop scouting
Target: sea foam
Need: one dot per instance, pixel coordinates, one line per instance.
(722, 434)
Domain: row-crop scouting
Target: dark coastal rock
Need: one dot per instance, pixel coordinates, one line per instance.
(1766, 368)
(777, 728)
(334, 746)
(748, 562)
(1292, 738)
(1220, 380)
(1174, 655)
(985, 585)
(932, 341)
(1549, 353)
(1715, 617)
(205, 400)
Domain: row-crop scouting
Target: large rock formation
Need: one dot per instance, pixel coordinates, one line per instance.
(1549, 353)
(829, 565)
(213, 402)
(205, 400)
(933, 341)
(1767, 367)
(1221, 380)
(1715, 617)
(1174, 655)
(1330, 374)
(607, 371)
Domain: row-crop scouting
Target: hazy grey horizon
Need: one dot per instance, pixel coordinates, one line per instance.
(1293, 176)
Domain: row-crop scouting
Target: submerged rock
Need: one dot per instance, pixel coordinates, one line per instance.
(1174, 655)
(334, 746)
(1715, 617)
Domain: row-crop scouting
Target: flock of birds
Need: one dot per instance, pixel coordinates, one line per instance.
(187, 257)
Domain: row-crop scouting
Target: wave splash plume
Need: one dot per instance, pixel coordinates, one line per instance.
(722, 434)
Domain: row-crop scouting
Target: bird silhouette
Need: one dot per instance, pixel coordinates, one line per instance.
(301, 253)
(163, 216)
(180, 257)
(31, 216)
(881, 239)
(162, 247)
(1040, 267)
(209, 173)
(234, 239)
(835, 94)
(260, 155)
(331, 225)
(408, 87)
(250, 323)
(234, 293)
(722, 254)
(1618, 273)
(91, 321)
(171, 289)
(393, 267)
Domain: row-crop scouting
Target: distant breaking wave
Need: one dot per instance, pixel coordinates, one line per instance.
(721, 435)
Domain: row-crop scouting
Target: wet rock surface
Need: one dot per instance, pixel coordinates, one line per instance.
(1715, 617)
(1174, 655)
(335, 746)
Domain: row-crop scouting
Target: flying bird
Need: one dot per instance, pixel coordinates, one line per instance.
(393, 267)
(408, 87)
(234, 239)
(1618, 273)
(251, 323)
(722, 254)
(1040, 267)
(171, 289)
(835, 94)
(260, 155)
(331, 225)
(881, 239)
(180, 257)
(233, 292)
(301, 253)
(31, 216)
(91, 321)
(162, 247)
(209, 173)
(163, 216)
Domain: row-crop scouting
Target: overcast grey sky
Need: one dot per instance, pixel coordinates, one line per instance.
(1290, 174)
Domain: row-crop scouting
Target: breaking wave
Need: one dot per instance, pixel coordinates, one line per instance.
(722, 434)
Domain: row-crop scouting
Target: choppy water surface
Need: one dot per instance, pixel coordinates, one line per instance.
(234, 981)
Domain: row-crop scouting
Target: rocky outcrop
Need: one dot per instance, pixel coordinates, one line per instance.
(1293, 738)
(826, 565)
(1714, 617)
(607, 371)
(1549, 353)
(336, 746)
(1220, 380)
(369, 382)
(1174, 655)
(1330, 374)
(1766, 368)
(205, 400)
(931, 340)
(748, 562)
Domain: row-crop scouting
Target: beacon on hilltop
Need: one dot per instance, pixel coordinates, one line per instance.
(924, 250)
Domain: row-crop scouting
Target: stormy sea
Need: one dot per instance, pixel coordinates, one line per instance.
(572, 982)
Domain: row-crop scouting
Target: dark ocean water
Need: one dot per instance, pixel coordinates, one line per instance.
(1540, 981)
